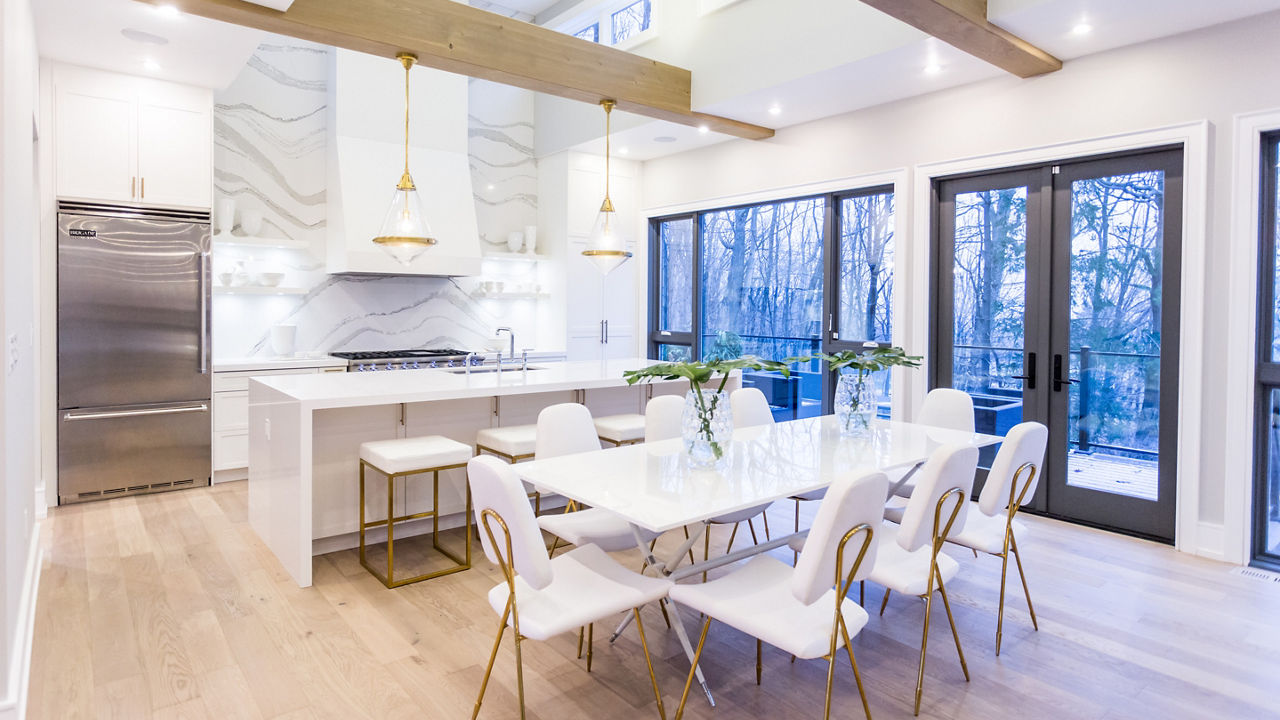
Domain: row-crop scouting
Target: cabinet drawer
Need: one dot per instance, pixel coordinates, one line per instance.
(239, 380)
(230, 450)
(230, 411)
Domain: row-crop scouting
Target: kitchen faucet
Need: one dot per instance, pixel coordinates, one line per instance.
(512, 336)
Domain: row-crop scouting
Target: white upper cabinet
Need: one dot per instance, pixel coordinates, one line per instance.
(132, 140)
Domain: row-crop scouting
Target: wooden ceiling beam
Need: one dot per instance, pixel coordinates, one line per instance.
(461, 39)
(964, 25)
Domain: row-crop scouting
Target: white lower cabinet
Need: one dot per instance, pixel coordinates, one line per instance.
(231, 418)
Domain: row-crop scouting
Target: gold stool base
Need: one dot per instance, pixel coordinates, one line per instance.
(388, 579)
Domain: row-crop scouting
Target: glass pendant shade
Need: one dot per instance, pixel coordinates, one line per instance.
(404, 233)
(606, 247)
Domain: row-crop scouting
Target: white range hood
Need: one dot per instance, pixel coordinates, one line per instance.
(366, 157)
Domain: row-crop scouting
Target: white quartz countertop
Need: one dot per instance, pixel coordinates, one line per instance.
(251, 364)
(337, 390)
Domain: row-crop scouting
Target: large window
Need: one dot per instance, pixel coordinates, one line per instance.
(630, 21)
(615, 22)
(778, 279)
(1266, 545)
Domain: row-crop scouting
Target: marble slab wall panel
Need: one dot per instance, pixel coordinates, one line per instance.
(504, 172)
(270, 127)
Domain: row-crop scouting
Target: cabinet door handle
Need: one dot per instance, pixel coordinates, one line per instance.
(133, 186)
(143, 187)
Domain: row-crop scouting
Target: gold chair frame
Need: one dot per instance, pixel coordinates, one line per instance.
(1011, 543)
(839, 630)
(505, 564)
(939, 539)
(388, 580)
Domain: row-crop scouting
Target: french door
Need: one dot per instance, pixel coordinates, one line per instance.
(1056, 300)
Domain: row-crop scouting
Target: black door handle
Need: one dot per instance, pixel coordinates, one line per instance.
(1030, 377)
(1058, 380)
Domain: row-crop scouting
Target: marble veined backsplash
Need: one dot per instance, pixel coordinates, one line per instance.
(270, 158)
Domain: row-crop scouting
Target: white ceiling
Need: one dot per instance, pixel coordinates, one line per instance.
(900, 72)
(198, 52)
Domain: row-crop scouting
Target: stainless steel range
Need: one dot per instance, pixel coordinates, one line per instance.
(380, 360)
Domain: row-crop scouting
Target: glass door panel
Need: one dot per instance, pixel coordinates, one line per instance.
(1113, 406)
(990, 304)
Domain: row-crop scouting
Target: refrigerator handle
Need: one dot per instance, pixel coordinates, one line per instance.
(204, 313)
(134, 413)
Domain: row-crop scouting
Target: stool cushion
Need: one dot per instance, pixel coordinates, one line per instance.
(416, 453)
(621, 428)
(514, 440)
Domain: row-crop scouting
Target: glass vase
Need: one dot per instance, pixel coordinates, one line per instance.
(706, 427)
(856, 401)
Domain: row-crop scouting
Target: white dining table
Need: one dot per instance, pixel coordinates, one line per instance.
(654, 487)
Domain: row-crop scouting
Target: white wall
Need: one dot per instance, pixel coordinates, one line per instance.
(1211, 74)
(19, 446)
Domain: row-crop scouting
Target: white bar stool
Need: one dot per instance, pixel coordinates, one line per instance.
(512, 443)
(401, 458)
(624, 429)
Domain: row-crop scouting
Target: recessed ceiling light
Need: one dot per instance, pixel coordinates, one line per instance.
(623, 150)
(775, 109)
(664, 139)
(1082, 28)
(704, 129)
(489, 186)
(150, 65)
(167, 11)
(932, 68)
(143, 37)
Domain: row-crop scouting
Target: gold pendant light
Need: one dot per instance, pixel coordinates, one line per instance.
(404, 233)
(606, 246)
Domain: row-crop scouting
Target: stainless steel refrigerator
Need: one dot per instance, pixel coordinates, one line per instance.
(133, 351)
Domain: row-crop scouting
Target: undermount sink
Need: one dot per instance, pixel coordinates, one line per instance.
(490, 369)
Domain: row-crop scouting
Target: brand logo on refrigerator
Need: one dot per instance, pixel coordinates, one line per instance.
(76, 232)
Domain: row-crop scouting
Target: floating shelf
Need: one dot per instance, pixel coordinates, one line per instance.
(228, 240)
(260, 290)
(510, 295)
(512, 257)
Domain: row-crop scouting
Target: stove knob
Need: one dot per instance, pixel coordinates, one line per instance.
(434, 364)
(415, 366)
(361, 367)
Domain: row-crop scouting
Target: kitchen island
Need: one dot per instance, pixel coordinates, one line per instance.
(305, 433)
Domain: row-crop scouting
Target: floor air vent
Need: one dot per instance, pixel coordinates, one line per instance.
(1256, 574)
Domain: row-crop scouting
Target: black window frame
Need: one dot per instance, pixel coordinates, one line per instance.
(1267, 369)
(830, 337)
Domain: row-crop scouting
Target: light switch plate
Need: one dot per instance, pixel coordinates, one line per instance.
(12, 352)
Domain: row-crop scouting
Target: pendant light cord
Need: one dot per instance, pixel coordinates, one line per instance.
(608, 105)
(406, 181)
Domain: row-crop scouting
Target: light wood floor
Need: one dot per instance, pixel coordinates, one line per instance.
(168, 606)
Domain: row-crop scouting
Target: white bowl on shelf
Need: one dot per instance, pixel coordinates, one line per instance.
(270, 279)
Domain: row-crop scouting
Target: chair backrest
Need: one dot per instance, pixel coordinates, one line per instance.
(495, 486)
(662, 417)
(565, 429)
(850, 501)
(947, 408)
(950, 466)
(1024, 443)
(750, 408)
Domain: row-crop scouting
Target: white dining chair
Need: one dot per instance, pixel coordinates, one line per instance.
(802, 610)
(750, 408)
(910, 557)
(541, 597)
(944, 408)
(1011, 482)
(663, 417)
(567, 429)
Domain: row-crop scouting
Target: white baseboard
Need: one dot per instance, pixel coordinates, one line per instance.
(1210, 539)
(14, 705)
(42, 502)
